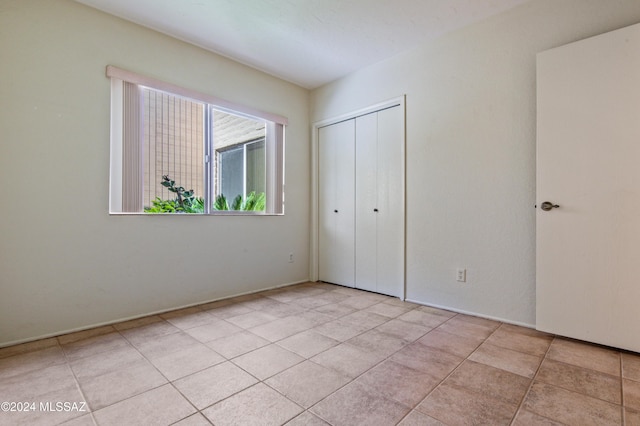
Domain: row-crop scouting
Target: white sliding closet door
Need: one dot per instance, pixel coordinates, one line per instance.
(336, 189)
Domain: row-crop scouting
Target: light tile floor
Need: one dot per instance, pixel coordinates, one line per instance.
(317, 354)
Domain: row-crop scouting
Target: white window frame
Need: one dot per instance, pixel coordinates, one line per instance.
(274, 142)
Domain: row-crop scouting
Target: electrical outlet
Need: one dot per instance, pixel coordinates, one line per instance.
(461, 275)
(290, 257)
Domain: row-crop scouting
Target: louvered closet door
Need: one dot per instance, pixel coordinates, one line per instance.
(336, 145)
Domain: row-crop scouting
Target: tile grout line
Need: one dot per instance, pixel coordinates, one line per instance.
(169, 382)
(377, 364)
(623, 412)
(599, 372)
(457, 367)
(387, 359)
(259, 381)
(143, 357)
(331, 369)
(533, 379)
(75, 378)
(264, 381)
(545, 357)
(352, 380)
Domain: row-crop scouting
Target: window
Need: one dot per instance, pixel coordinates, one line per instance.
(177, 151)
(241, 169)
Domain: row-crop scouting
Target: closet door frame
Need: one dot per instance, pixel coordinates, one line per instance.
(315, 179)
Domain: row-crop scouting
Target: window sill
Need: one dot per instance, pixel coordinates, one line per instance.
(220, 213)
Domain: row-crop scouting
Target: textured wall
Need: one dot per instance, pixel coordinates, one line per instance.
(471, 117)
(65, 263)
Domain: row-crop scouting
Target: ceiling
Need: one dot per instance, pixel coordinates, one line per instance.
(307, 42)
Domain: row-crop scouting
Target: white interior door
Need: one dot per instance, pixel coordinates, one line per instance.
(588, 153)
(336, 203)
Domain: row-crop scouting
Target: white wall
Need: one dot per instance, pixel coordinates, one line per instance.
(471, 113)
(64, 262)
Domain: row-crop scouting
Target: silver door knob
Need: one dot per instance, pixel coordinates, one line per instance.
(546, 206)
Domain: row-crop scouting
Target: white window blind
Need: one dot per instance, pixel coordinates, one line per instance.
(159, 129)
(132, 171)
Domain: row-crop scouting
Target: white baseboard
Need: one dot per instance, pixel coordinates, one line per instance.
(475, 314)
(119, 320)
